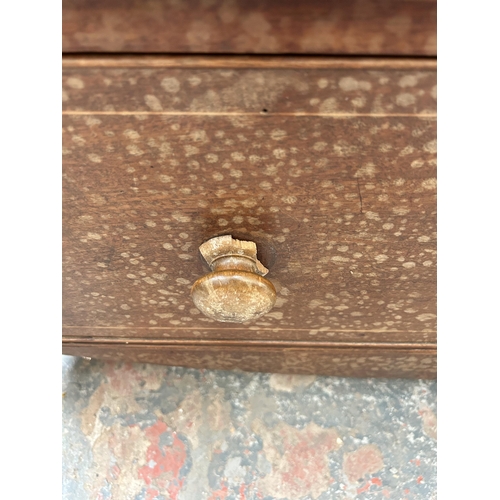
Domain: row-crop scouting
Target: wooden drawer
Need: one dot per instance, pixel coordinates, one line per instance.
(376, 27)
(329, 165)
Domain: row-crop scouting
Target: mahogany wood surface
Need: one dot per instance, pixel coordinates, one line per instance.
(375, 27)
(329, 165)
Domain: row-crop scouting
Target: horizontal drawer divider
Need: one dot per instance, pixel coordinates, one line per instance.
(242, 343)
(242, 113)
(218, 328)
(242, 62)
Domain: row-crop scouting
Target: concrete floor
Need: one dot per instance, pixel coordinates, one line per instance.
(147, 432)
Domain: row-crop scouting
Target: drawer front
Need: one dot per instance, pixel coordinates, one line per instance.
(328, 165)
(377, 27)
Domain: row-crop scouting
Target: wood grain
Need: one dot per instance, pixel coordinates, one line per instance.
(340, 362)
(335, 181)
(376, 27)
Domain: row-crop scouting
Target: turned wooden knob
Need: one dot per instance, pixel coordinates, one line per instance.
(235, 291)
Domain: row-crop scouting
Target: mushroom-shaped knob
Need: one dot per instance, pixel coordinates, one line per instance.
(235, 291)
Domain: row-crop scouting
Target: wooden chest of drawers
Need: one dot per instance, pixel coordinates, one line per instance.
(328, 164)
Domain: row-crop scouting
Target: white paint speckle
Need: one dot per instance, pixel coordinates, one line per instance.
(278, 134)
(409, 265)
(90, 121)
(320, 146)
(289, 200)
(322, 83)
(408, 150)
(211, 158)
(401, 210)
(79, 141)
(191, 150)
(134, 150)
(153, 102)
(194, 81)
(371, 215)
(236, 156)
(429, 183)
(405, 99)
(75, 83)
(339, 258)
(275, 315)
(348, 84)
(367, 170)
(431, 146)
(426, 317)
(180, 217)
(408, 81)
(358, 102)
(328, 105)
(131, 134)
(171, 85)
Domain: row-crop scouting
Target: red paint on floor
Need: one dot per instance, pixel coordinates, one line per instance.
(220, 494)
(151, 494)
(168, 461)
(305, 457)
(374, 481)
(363, 461)
(364, 488)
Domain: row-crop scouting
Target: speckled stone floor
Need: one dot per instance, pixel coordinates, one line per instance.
(147, 432)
